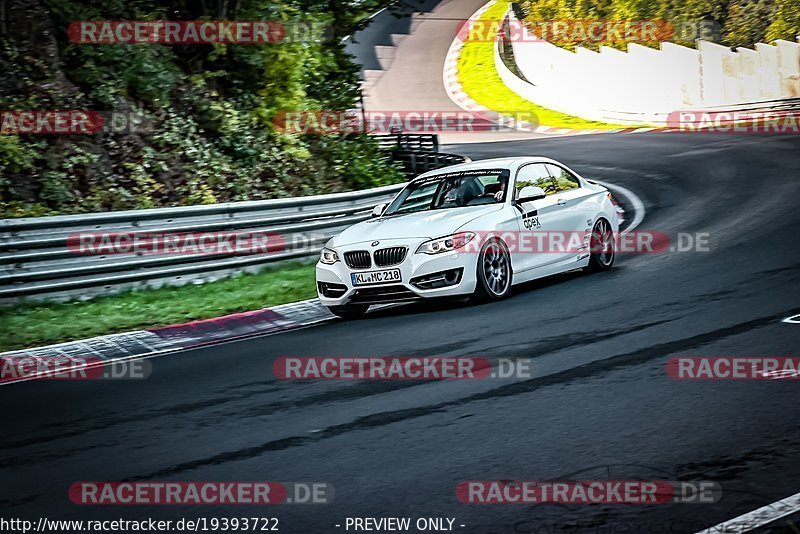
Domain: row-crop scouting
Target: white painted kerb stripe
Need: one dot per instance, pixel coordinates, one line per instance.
(636, 203)
(757, 518)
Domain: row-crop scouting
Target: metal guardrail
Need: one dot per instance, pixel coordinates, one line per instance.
(407, 142)
(415, 163)
(416, 153)
(37, 262)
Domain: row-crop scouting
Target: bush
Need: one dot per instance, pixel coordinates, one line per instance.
(210, 106)
(729, 22)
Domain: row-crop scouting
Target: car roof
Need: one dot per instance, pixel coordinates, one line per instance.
(491, 163)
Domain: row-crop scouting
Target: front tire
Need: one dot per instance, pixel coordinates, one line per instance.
(601, 247)
(494, 272)
(350, 311)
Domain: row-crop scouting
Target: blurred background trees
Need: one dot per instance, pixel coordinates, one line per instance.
(728, 22)
(211, 107)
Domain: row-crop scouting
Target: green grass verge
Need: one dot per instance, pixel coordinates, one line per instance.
(480, 80)
(30, 325)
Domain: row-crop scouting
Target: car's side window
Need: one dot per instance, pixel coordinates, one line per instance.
(535, 174)
(563, 179)
(492, 189)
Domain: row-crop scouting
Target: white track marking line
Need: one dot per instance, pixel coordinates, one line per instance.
(794, 319)
(636, 203)
(757, 518)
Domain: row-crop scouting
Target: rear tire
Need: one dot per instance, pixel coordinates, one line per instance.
(494, 272)
(351, 311)
(601, 248)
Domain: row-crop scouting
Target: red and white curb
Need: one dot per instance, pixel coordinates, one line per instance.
(461, 98)
(452, 86)
(142, 344)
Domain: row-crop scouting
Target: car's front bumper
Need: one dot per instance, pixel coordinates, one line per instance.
(414, 267)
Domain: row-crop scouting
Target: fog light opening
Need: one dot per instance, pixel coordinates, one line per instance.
(438, 280)
(329, 290)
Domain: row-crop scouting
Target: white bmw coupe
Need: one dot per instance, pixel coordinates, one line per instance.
(471, 229)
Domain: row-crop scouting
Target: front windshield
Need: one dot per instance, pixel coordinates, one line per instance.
(452, 190)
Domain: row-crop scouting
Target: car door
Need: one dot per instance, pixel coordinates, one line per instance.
(542, 223)
(505, 222)
(576, 203)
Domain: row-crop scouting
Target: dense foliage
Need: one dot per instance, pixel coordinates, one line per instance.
(211, 108)
(729, 22)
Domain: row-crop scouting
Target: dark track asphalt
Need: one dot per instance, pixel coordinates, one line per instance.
(600, 403)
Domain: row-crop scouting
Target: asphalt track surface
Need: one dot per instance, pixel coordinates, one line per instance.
(392, 20)
(599, 404)
(413, 80)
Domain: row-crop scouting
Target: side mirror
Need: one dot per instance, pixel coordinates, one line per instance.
(378, 210)
(530, 192)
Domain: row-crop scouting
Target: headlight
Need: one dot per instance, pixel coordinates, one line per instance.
(328, 256)
(446, 244)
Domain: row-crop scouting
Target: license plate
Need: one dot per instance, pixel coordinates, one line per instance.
(375, 277)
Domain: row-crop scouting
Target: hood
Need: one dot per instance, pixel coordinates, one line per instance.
(423, 224)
